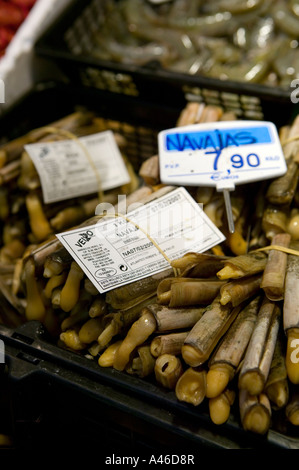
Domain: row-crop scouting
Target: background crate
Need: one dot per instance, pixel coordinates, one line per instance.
(17, 66)
(66, 42)
(137, 121)
(56, 392)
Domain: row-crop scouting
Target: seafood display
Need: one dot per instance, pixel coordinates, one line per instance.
(219, 330)
(251, 42)
(27, 222)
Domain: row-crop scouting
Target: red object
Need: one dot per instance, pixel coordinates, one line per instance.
(10, 15)
(24, 3)
(6, 36)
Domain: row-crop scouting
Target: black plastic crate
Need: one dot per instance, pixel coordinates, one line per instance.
(53, 387)
(137, 121)
(57, 391)
(67, 43)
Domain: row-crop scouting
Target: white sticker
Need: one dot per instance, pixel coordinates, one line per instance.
(66, 172)
(115, 252)
(221, 154)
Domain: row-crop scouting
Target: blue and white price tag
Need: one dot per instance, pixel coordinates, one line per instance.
(221, 154)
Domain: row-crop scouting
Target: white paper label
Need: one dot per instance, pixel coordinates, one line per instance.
(66, 172)
(115, 252)
(221, 154)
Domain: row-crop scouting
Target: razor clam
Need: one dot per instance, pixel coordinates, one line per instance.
(258, 357)
(29, 178)
(119, 321)
(243, 265)
(291, 314)
(282, 189)
(191, 386)
(130, 294)
(182, 292)
(98, 307)
(106, 358)
(197, 265)
(277, 387)
(293, 224)
(228, 355)
(169, 319)
(207, 331)
(190, 114)
(90, 330)
(255, 412)
(273, 281)
(289, 140)
(70, 338)
(239, 290)
(214, 209)
(143, 363)
(35, 306)
(220, 406)
(137, 334)
(55, 258)
(204, 194)
(275, 220)
(237, 241)
(70, 291)
(292, 408)
(149, 170)
(170, 343)
(168, 369)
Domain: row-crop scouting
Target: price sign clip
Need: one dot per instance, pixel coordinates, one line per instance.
(221, 154)
(226, 189)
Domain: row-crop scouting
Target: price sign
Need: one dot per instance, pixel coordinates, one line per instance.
(221, 154)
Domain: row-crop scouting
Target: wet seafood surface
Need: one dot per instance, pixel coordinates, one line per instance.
(245, 41)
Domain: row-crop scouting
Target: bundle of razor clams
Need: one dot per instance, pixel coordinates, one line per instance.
(218, 329)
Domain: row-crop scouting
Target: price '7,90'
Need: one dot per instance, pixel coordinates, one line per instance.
(238, 161)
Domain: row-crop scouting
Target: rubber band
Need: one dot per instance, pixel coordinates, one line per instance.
(70, 135)
(290, 140)
(278, 248)
(175, 270)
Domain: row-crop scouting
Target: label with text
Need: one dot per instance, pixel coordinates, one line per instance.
(120, 250)
(65, 169)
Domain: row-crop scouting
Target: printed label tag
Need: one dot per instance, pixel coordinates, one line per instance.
(66, 172)
(115, 252)
(221, 154)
